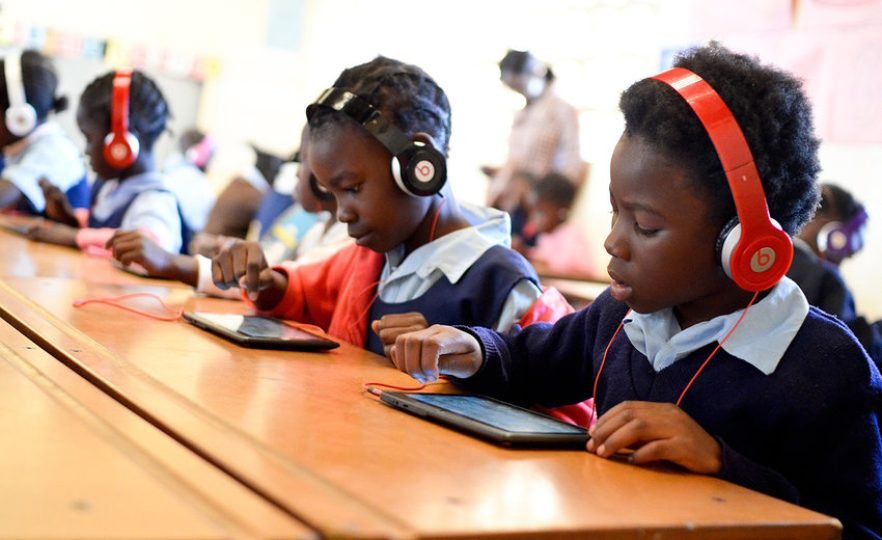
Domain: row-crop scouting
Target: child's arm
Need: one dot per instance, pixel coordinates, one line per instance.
(58, 208)
(54, 233)
(10, 195)
(130, 247)
(656, 432)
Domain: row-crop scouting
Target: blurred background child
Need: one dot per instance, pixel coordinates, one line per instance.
(35, 147)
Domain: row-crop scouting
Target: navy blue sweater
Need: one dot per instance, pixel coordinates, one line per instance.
(808, 433)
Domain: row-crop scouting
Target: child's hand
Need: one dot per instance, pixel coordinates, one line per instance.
(58, 208)
(428, 353)
(242, 265)
(53, 233)
(130, 247)
(389, 327)
(656, 432)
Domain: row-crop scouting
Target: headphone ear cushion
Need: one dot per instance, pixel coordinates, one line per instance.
(833, 241)
(726, 242)
(21, 119)
(420, 170)
(120, 151)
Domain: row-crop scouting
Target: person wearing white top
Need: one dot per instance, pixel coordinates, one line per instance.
(34, 147)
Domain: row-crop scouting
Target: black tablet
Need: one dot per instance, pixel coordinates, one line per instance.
(489, 418)
(259, 332)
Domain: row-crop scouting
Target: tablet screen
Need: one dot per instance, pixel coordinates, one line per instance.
(496, 413)
(257, 327)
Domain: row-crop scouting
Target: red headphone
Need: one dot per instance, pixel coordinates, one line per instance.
(120, 146)
(756, 253)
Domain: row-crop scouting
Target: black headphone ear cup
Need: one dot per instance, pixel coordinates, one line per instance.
(420, 170)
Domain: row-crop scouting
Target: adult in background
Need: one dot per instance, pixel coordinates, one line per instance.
(544, 137)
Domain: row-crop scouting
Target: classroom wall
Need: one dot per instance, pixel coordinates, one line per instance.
(275, 56)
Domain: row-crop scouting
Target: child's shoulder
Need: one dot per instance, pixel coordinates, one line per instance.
(825, 350)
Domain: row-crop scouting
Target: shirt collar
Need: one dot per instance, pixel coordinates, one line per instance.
(453, 253)
(776, 318)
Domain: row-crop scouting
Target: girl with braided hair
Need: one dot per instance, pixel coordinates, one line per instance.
(129, 193)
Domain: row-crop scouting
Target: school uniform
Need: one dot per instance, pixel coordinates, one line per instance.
(47, 153)
(141, 202)
(791, 397)
(468, 273)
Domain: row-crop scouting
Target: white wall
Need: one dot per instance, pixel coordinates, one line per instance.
(597, 48)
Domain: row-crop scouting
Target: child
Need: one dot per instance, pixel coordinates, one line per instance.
(835, 234)
(35, 147)
(561, 247)
(325, 238)
(417, 249)
(790, 404)
(121, 114)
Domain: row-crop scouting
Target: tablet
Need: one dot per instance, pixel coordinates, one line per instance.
(259, 332)
(490, 419)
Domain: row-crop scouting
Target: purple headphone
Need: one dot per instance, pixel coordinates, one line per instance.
(839, 240)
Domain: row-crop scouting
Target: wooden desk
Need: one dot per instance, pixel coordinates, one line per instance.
(36, 259)
(297, 428)
(77, 464)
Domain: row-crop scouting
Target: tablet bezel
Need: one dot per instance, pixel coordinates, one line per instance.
(317, 343)
(406, 402)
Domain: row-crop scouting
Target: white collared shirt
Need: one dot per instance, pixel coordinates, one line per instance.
(761, 339)
(450, 256)
(47, 153)
(154, 207)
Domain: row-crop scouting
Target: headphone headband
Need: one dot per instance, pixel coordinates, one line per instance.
(119, 108)
(121, 147)
(21, 117)
(762, 254)
(418, 168)
(364, 113)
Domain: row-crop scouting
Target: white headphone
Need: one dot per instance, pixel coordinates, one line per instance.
(21, 118)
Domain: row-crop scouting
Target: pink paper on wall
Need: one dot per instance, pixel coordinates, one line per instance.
(838, 13)
(716, 19)
(856, 77)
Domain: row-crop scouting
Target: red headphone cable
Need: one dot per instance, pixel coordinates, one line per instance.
(694, 377)
(173, 314)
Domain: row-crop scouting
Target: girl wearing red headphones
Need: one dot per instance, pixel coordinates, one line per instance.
(700, 353)
(121, 114)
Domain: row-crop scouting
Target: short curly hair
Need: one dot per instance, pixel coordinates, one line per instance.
(773, 113)
(406, 94)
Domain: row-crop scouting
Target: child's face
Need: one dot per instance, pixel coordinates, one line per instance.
(95, 136)
(661, 241)
(356, 169)
(546, 215)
